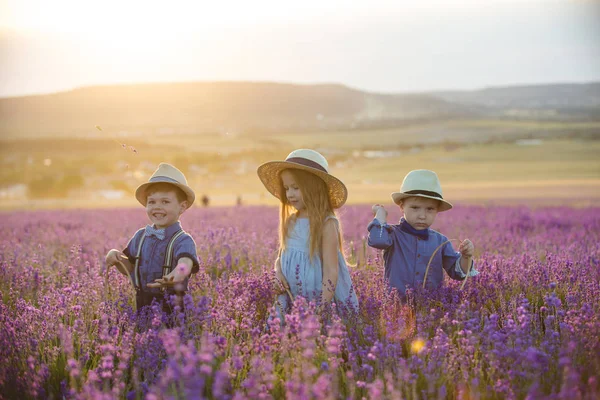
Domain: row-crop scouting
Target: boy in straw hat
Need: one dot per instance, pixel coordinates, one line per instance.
(160, 257)
(408, 246)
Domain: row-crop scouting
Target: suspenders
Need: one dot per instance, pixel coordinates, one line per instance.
(166, 269)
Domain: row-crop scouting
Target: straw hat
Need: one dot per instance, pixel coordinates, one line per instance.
(305, 160)
(422, 183)
(168, 174)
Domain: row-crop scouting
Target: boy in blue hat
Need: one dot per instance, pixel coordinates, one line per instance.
(160, 257)
(408, 246)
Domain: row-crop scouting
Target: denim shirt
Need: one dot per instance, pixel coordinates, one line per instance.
(153, 254)
(406, 256)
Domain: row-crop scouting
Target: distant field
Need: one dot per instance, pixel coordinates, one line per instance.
(559, 169)
(454, 131)
(421, 133)
(478, 161)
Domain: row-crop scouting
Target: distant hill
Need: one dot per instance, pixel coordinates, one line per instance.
(240, 107)
(564, 101)
(263, 107)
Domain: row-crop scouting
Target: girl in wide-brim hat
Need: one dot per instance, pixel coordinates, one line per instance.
(310, 262)
(305, 160)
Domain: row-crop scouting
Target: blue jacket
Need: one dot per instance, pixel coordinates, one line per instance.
(406, 256)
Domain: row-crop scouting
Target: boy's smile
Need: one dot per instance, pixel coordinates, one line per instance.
(163, 209)
(419, 212)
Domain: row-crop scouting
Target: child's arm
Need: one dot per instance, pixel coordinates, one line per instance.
(379, 237)
(330, 259)
(184, 252)
(178, 275)
(120, 260)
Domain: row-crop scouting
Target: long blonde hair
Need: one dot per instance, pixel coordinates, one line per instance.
(315, 195)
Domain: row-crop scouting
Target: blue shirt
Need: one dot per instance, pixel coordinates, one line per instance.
(153, 254)
(406, 256)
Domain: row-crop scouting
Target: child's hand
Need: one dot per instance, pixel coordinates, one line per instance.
(112, 257)
(177, 276)
(466, 248)
(379, 212)
(280, 284)
(118, 259)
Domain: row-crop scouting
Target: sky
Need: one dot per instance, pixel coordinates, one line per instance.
(387, 46)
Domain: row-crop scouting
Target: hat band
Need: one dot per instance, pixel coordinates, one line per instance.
(425, 192)
(163, 179)
(306, 163)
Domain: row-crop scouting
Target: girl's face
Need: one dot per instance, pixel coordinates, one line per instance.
(292, 191)
(164, 209)
(419, 212)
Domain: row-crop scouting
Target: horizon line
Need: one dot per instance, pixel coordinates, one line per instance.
(291, 83)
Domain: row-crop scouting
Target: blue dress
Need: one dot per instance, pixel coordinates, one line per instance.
(305, 275)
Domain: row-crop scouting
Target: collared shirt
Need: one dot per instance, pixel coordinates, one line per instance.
(406, 257)
(153, 254)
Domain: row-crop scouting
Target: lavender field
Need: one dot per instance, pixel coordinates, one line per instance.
(527, 327)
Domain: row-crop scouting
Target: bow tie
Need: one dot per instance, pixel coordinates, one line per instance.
(159, 233)
(406, 227)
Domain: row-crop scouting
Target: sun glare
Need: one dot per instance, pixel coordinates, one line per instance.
(115, 18)
(123, 17)
(417, 345)
(63, 44)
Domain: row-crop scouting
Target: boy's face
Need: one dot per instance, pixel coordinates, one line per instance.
(164, 209)
(419, 212)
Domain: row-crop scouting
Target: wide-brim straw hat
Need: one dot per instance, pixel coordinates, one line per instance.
(304, 160)
(422, 183)
(166, 173)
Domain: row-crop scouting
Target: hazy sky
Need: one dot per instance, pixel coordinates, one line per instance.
(375, 45)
